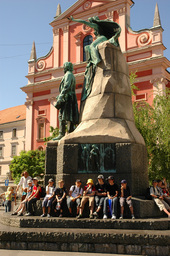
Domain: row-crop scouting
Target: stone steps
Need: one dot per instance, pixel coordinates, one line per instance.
(139, 242)
(54, 222)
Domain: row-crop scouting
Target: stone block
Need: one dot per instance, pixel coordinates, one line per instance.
(18, 246)
(148, 250)
(120, 249)
(53, 246)
(123, 107)
(133, 249)
(74, 247)
(82, 247)
(65, 247)
(103, 107)
(51, 160)
(162, 250)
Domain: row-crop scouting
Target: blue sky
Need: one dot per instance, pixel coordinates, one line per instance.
(25, 21)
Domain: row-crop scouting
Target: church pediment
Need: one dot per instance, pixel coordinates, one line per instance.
(81, 6)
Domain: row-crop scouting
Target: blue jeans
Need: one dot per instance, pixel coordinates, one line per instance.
(7, 205)
(114, 205)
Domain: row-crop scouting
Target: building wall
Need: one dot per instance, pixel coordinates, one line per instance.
(8, 141)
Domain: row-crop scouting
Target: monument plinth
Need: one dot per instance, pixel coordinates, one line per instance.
(106, 140)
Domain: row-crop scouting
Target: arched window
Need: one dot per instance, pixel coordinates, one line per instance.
(87, 40)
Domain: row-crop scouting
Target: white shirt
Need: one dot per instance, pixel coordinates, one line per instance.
(50, 191)
(23, 181)
(76, 191)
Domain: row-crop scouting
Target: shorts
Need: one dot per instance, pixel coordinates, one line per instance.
(123, 200)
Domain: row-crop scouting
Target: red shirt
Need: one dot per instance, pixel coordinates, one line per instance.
(90, 190)
(35, 190)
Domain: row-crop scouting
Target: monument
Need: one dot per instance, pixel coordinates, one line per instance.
(106, 140)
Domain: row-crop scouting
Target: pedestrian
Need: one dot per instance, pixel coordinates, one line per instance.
(23, 184)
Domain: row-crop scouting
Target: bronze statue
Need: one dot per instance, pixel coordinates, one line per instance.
(67, 102)
(103, 30)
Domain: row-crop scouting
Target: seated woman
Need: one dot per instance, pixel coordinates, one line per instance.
(35, 195)
(59, 203)
(125, 197)
(74, 196)
(48, 198)
(21, 207)
(88, 195)
(157, 196)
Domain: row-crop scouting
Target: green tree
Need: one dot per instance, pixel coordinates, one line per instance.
(54, 133)
(32, 161)
(153, 122)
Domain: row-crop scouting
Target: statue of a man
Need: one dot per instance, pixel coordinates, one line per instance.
(67, 102)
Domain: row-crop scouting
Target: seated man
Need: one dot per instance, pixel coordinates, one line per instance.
(59, 203)
(74, 196)
(112, 194)
(47, 202)
(100, 194)
(157, 196)
(88, 195)
(125, 197)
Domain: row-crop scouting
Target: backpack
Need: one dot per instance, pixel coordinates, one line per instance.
(147, 194)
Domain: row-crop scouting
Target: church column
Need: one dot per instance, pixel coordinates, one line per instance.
(56, 47)
(65, 43)
(159, 85)
(53, 112)
(122, 23)
(29, 112)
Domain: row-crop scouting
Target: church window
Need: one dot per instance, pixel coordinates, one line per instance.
(87, 41)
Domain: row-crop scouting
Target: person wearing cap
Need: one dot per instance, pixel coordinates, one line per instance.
(112, 195)
(23, 183)
(100, 194)
(59, 204)
(35, 195)
(22, 205)
(74, 196)
(157, 196)
(125, 197)
(88, 195)
(47, 202)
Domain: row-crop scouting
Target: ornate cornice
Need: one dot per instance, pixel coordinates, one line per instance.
(159, 80)
(29, 103)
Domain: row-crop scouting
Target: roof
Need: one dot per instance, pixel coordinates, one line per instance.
(13, 114)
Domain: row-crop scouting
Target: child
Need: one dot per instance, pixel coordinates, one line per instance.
(60, 198)
(13, 200)
(74, 196)
(125, 197)
(100, 194)
(48, 198)
(21, 207)
(35, 195)
(88, 195)
(8, 198)
(112, 194)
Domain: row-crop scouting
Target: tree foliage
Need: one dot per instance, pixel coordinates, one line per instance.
(32, 161)
(54, 133)
(153, 122)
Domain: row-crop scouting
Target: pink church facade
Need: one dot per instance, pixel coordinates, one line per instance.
(142, 49)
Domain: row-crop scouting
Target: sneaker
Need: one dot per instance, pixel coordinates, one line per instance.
(79, 216)
(91, 216)
(20, 214)
(14, 213)
(105, 216)
(28, 214)
(133, 217)
(95, 214)
(113, 217)
(121, 218)
(43, 215)
(48, 215)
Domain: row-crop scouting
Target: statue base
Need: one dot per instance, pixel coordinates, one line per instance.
(128, 161)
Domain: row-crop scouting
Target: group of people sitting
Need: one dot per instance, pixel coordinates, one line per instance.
(102, 198)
